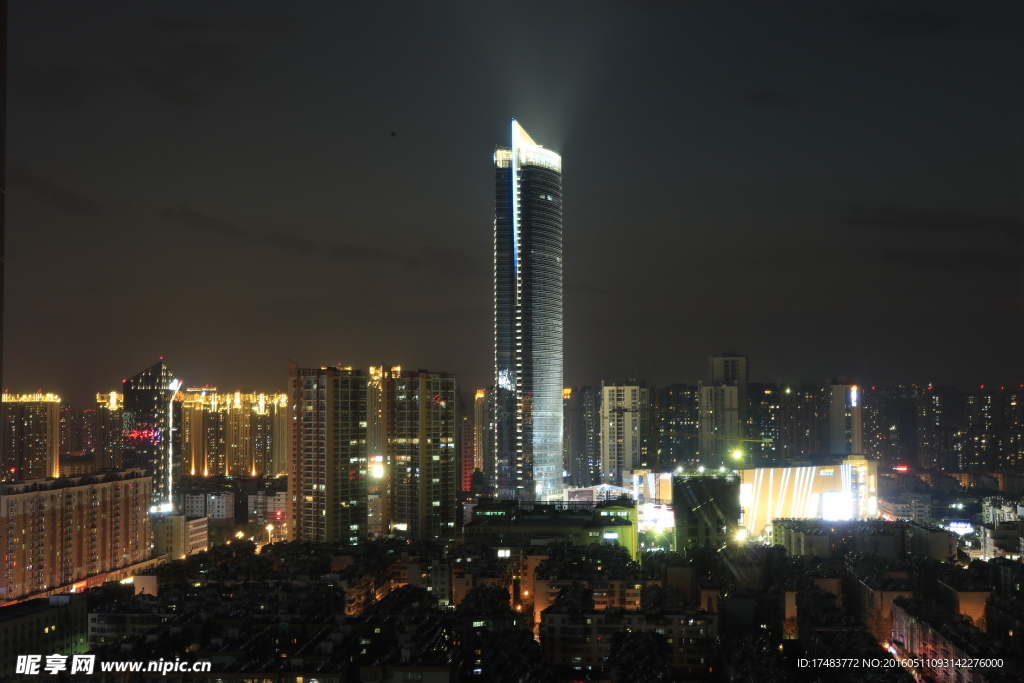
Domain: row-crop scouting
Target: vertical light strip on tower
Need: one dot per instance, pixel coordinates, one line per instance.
(174, 386)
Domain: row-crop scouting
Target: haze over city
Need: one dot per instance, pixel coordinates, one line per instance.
(829, 191)
(512, 342)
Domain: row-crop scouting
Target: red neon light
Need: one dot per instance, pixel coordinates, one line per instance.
(139, 435)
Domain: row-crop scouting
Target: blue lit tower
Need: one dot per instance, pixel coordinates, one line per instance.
(528, 319)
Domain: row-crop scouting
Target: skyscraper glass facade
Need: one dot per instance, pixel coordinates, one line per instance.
(151, 418)
(528, 318)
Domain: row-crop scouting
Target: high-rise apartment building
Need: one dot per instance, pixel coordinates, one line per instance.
(845, 429)
(31, 436)
(583, 436)
(625, 430)
(483, 435)
(721, 423)
(57, 532)
(414, 425)
(327, 432)
(467, 450)
(729, 368)
(890, 424)
(798, 422)
(237, 434)
(71, 422)
(940, 416)
(528, 318)
(152, 416)
(677, 431)
(105, 429)
(993, 433)
(723, 407)
(762, 423)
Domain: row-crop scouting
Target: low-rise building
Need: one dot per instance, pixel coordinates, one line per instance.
(916, 507)
(612, 578)
(921, 630)
(1002, 539)
(267, 507)
(508, 523)
(218, 507)
(44, 626)
(178, 536)
(576, 634)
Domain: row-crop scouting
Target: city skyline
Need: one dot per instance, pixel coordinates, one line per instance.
(753, 412)
(853, 214)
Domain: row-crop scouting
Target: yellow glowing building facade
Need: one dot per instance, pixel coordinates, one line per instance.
(847, 489)
(108, 429)
(234, 434)
(31, 436)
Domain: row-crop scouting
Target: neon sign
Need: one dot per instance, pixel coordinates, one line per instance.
(152, 436)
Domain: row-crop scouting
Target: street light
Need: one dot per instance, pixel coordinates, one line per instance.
(738, 454)
(270, 531)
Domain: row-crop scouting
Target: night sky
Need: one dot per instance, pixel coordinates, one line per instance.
(830, 188)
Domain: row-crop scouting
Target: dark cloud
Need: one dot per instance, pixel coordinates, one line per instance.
(586, 289)
(270, 27)
(54, 88)
(962, 260)
(930, 220)
(770, 98)
(454, 262)
(337, 252)
(183, 62)
(282, 241)
(188, 74)
(48, 193)
(167, 87)
(907, 23)
(193, 219)
(191, 60)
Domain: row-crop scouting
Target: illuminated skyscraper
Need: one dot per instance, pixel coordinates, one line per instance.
(528, 318)
(152, 416)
